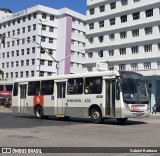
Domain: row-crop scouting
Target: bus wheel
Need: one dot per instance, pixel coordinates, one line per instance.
(96, 116)
(122, 120)
(38, 112)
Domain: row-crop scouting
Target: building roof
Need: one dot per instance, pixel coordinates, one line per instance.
(5, 10)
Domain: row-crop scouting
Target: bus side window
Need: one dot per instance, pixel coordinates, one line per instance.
(1, 87)
(93, 85)
(33, 88)
(15, 89)
(47, 87)
(75, 86)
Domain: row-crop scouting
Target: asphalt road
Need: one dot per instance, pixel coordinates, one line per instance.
(26, 131)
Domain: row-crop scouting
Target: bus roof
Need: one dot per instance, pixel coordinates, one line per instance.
(61, 77)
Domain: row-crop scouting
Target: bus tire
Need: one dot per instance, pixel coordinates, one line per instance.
(96, 116)
(122, 120)
(38, 112)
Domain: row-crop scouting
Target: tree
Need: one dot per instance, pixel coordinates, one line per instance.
(1, 72)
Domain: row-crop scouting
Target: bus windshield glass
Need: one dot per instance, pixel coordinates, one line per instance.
(133, 88)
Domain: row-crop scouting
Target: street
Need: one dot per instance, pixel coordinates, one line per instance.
(26, 131)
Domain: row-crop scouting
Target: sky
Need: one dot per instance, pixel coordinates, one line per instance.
(19, 5)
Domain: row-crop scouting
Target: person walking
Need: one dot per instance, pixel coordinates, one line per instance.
(154, 109)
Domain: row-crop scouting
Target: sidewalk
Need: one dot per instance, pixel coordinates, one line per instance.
(3, 109)
(157, 114)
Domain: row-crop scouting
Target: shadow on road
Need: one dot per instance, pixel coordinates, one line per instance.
(11, 121)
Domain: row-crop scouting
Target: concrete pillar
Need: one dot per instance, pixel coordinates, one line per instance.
(153, 92)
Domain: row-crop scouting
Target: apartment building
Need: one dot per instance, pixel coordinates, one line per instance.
(39, 39)
(125, 34)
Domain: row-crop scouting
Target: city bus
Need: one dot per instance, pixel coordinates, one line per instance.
(97, 95)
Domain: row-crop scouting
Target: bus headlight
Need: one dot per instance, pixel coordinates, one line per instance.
(148, 107)
(127, 107)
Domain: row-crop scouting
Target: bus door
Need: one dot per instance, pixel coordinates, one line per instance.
(23, 98)
(110, 98)
(61, 89)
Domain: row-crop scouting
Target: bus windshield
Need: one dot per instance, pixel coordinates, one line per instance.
(134, 89)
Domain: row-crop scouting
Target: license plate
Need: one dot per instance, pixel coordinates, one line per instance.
(134, 108)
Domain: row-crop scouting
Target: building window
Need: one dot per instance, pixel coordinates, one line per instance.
(158, 45)
(110, 67)
(21, 74)
(100, 54)
(13, 43)
(23, 30)
(44, 16)
(33, 49)
(123, 35)
(16, 74)
(135, 33)
(136, 16)
(90, 40)
(17, 63)
(34, 26)
(12, 64)
(27, 62)
(134, 66)
(102, 8)
(51, 29)
(122, 51)
(158, 64)
(89, 69)
(91, 11)
(111, 52)
(28, 39)
(28, 51)
(149, 12)
(91, 26)
(33, 61)
(29, 28)
(24, 18)
(52, 17)
(44, 27)
(42, 51)
(42, 62)
(29, 17)
(22, 52)
(101, 24)
(27, 73)
(100, 39)
(49, 63)
(148, 30)
(43, 38)
(18, 31)
(23, 41)
(50, 40)
(32, 73)
(123, 18)
(90, 55)
(111, 37)
(22, 62)
(17, 52)
(112, 21)
(34, 15)
(113, 5)
(122, 67)
(147, 65)
(135, 1)
(124, 2)
(148, 48)
(135, 49)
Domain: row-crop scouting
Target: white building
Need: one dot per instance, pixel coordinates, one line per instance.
(125, 34)
(60, 32)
